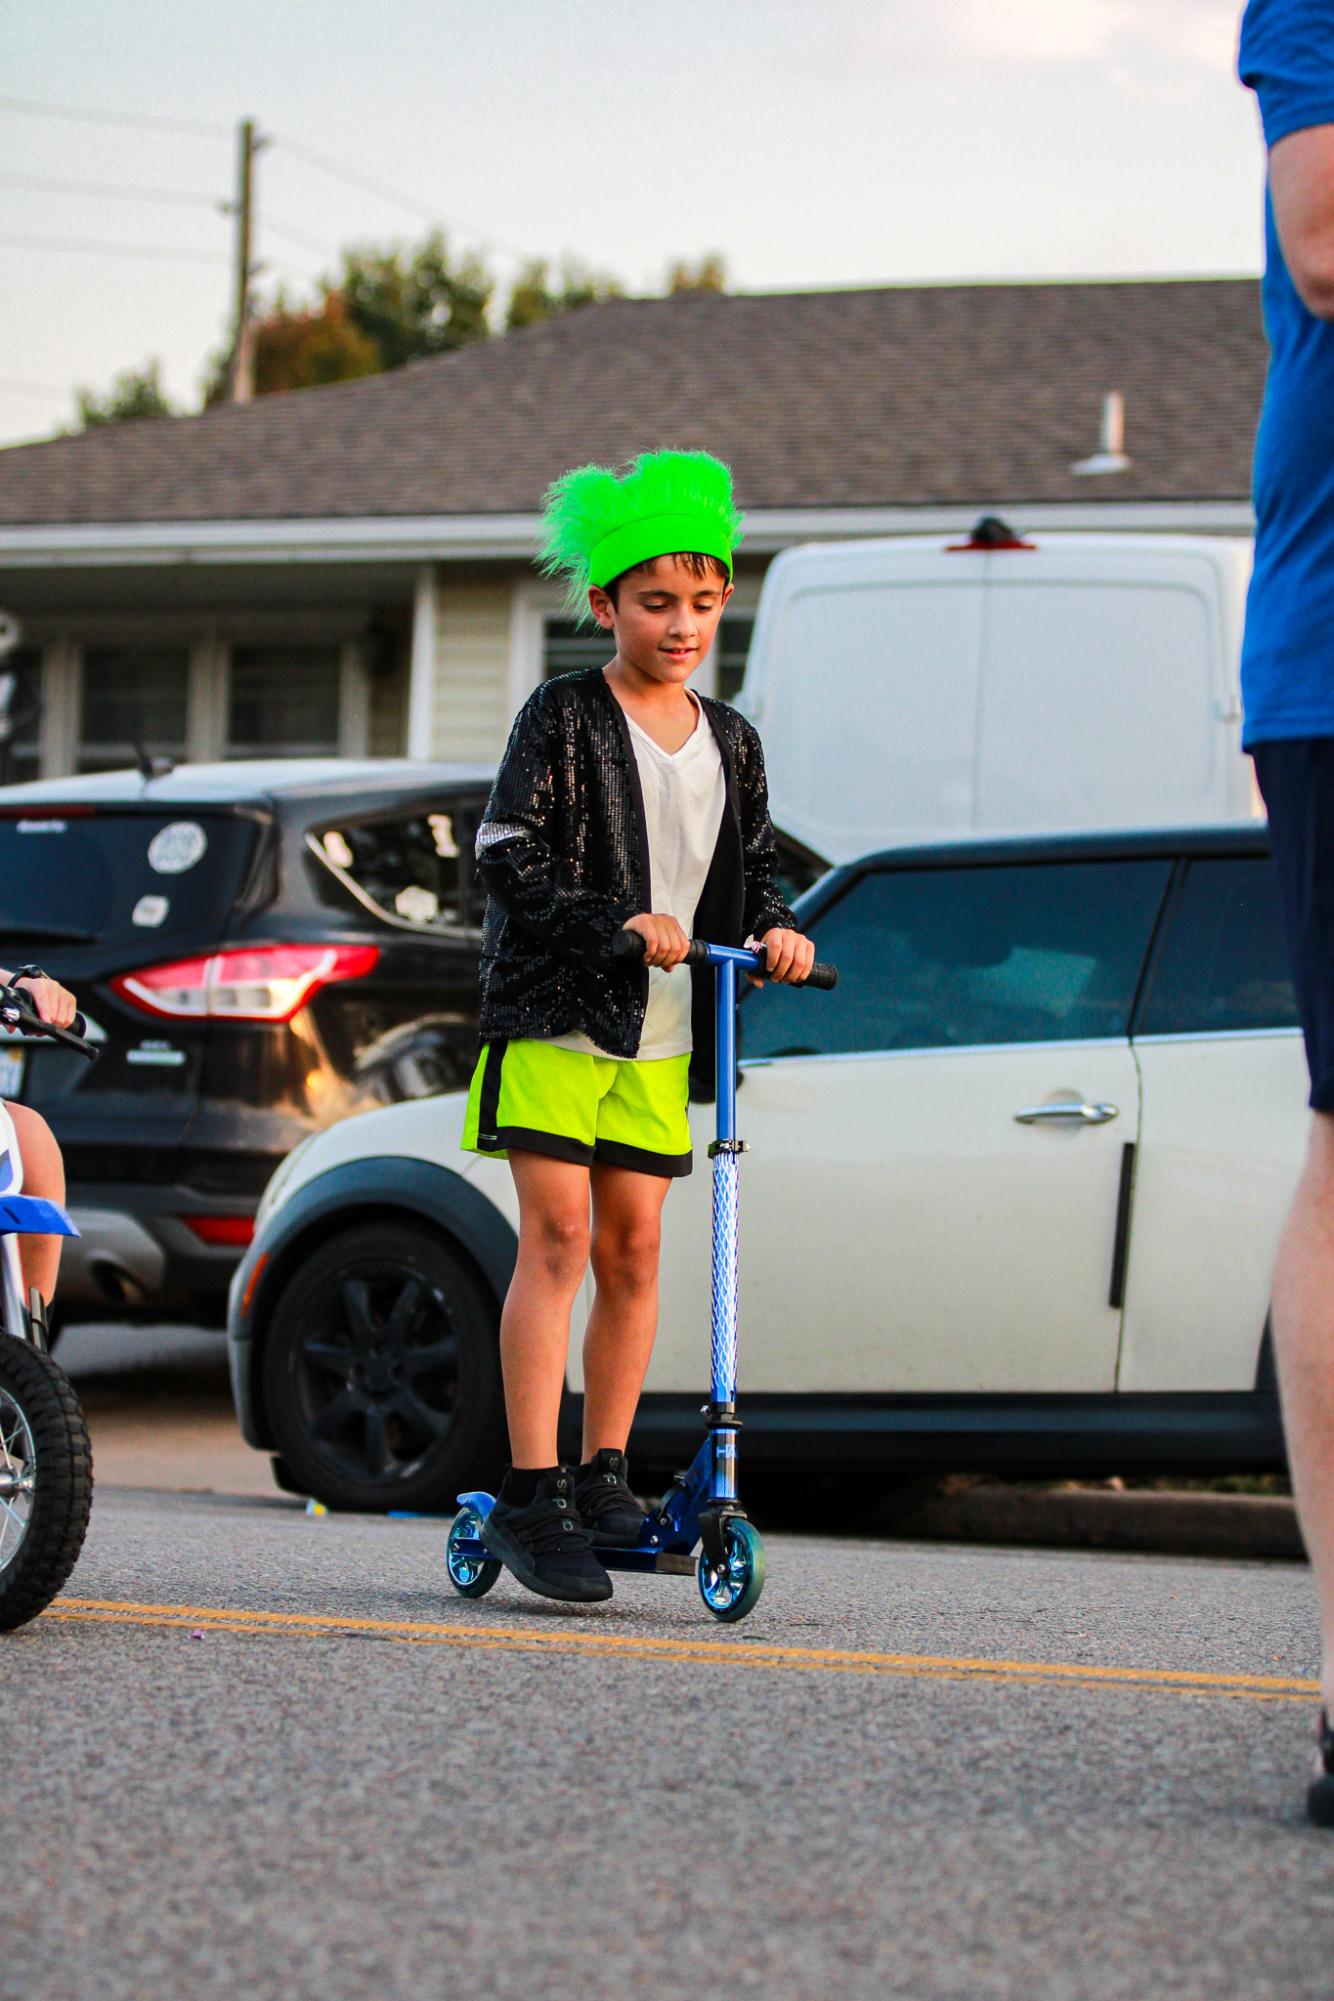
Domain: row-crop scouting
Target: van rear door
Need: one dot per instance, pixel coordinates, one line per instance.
(868, 706)
(1104, 696)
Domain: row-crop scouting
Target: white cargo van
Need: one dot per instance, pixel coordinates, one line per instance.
(999, 683)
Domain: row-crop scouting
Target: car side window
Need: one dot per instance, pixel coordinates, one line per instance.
(412, 868)
(954, 957)
(1222, 965)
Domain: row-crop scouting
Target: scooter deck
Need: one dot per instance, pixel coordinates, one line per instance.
(662, 1562)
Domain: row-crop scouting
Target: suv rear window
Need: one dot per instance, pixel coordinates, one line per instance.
(414, 868)
(112, 877)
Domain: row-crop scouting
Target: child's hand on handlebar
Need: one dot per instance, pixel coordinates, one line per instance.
(789, 957)
(49, 999)
(665, 943)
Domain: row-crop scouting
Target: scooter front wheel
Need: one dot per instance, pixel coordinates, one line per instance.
(732, 1588)
(470, 1575)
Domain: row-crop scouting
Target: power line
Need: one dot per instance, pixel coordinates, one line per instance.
(295, 236)
(393, 195)
(196, 126)
(40, 186)
(103, 248)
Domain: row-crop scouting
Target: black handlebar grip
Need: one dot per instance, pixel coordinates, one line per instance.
(73, 1037)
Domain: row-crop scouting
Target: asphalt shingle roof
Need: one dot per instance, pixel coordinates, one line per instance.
(898, 396)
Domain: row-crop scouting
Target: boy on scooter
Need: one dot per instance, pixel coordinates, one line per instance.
(624, 801)
(43, 1168)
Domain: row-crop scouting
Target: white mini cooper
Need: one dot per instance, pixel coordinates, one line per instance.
(1011, 1201)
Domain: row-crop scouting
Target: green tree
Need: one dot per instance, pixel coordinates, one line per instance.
(415, 303)
(708, 275)
(535, 296)
(303, 347)
(135, 393)
(299, 347)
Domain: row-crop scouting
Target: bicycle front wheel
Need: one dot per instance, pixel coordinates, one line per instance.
(46, 1481)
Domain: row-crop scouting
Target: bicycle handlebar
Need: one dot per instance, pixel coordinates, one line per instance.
(15, 1012)
(630, 945)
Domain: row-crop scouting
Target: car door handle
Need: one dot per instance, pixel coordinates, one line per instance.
(1067, 1110)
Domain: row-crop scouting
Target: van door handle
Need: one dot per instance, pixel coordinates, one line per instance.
(1068, 1110)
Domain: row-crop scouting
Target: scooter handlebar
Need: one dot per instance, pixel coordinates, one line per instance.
(16, 1013)
(630, 945)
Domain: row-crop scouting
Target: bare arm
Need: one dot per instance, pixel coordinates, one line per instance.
(1301, 188)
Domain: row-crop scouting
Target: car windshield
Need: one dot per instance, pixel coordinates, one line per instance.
(78, 875)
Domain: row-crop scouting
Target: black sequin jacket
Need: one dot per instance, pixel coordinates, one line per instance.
(563, 854)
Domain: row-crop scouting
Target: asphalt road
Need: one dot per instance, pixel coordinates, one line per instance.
(253, 1750)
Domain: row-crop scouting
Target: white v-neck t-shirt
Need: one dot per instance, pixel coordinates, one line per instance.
(684, 796)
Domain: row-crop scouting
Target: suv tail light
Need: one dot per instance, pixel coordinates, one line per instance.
(247, 983)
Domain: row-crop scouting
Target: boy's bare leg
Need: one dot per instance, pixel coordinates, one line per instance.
(1304, 1342)
(627, 1228)
(535, 1322)
(43, 1175)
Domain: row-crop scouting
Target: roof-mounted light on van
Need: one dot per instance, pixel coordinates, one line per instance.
(989, 534)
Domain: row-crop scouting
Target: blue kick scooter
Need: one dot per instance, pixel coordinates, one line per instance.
(701, 1508)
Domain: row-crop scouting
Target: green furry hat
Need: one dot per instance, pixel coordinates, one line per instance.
(600, 523)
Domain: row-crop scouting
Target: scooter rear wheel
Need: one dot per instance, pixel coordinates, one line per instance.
(46, 1481)
(732, 1588)
(469, 1575)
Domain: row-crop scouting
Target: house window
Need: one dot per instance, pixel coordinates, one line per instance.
(133, 698)
(566, 646)
(730, 650)
(20, 714)
(284, 701)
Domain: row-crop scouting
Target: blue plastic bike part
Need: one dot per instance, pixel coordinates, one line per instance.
(472, 1569)
(32, 1215)
(482, 1503)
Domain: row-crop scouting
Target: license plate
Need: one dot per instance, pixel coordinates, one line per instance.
(11, 1071)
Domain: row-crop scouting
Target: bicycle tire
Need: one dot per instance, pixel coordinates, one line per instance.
(62, 1495)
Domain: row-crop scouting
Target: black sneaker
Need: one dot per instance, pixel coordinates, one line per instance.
(1320, 1796)
(545, 1545)
(610, 1512)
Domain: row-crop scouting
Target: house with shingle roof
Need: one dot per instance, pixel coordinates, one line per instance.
(350, 568)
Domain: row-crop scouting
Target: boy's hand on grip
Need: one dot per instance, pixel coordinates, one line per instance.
(665, 943)
(49, 999)
(789, 956)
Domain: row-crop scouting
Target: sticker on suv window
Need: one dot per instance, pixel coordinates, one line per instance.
(417, 903)
(176, 848)
(150, 910)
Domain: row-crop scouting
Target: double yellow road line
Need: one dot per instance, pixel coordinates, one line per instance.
(731, 1652)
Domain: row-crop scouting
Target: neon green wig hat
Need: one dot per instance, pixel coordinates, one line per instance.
(600, 523)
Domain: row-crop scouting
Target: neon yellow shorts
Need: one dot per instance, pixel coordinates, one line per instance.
(539, 1098)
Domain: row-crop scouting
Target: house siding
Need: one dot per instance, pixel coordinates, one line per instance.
(471, 710)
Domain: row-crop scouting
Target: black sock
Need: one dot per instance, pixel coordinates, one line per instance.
(597, 1463)
(519, 1486)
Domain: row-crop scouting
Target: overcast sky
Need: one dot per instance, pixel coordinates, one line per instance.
(812, 142)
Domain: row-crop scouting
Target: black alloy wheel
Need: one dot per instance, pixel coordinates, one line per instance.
(381, 1372)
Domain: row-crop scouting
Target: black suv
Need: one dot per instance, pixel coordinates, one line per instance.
(259, 948)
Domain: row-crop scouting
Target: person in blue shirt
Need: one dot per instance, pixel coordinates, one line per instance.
(1287, 59)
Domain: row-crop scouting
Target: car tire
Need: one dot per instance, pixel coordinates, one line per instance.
(381, 1373)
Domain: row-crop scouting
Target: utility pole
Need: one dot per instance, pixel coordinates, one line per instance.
(240, 370)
